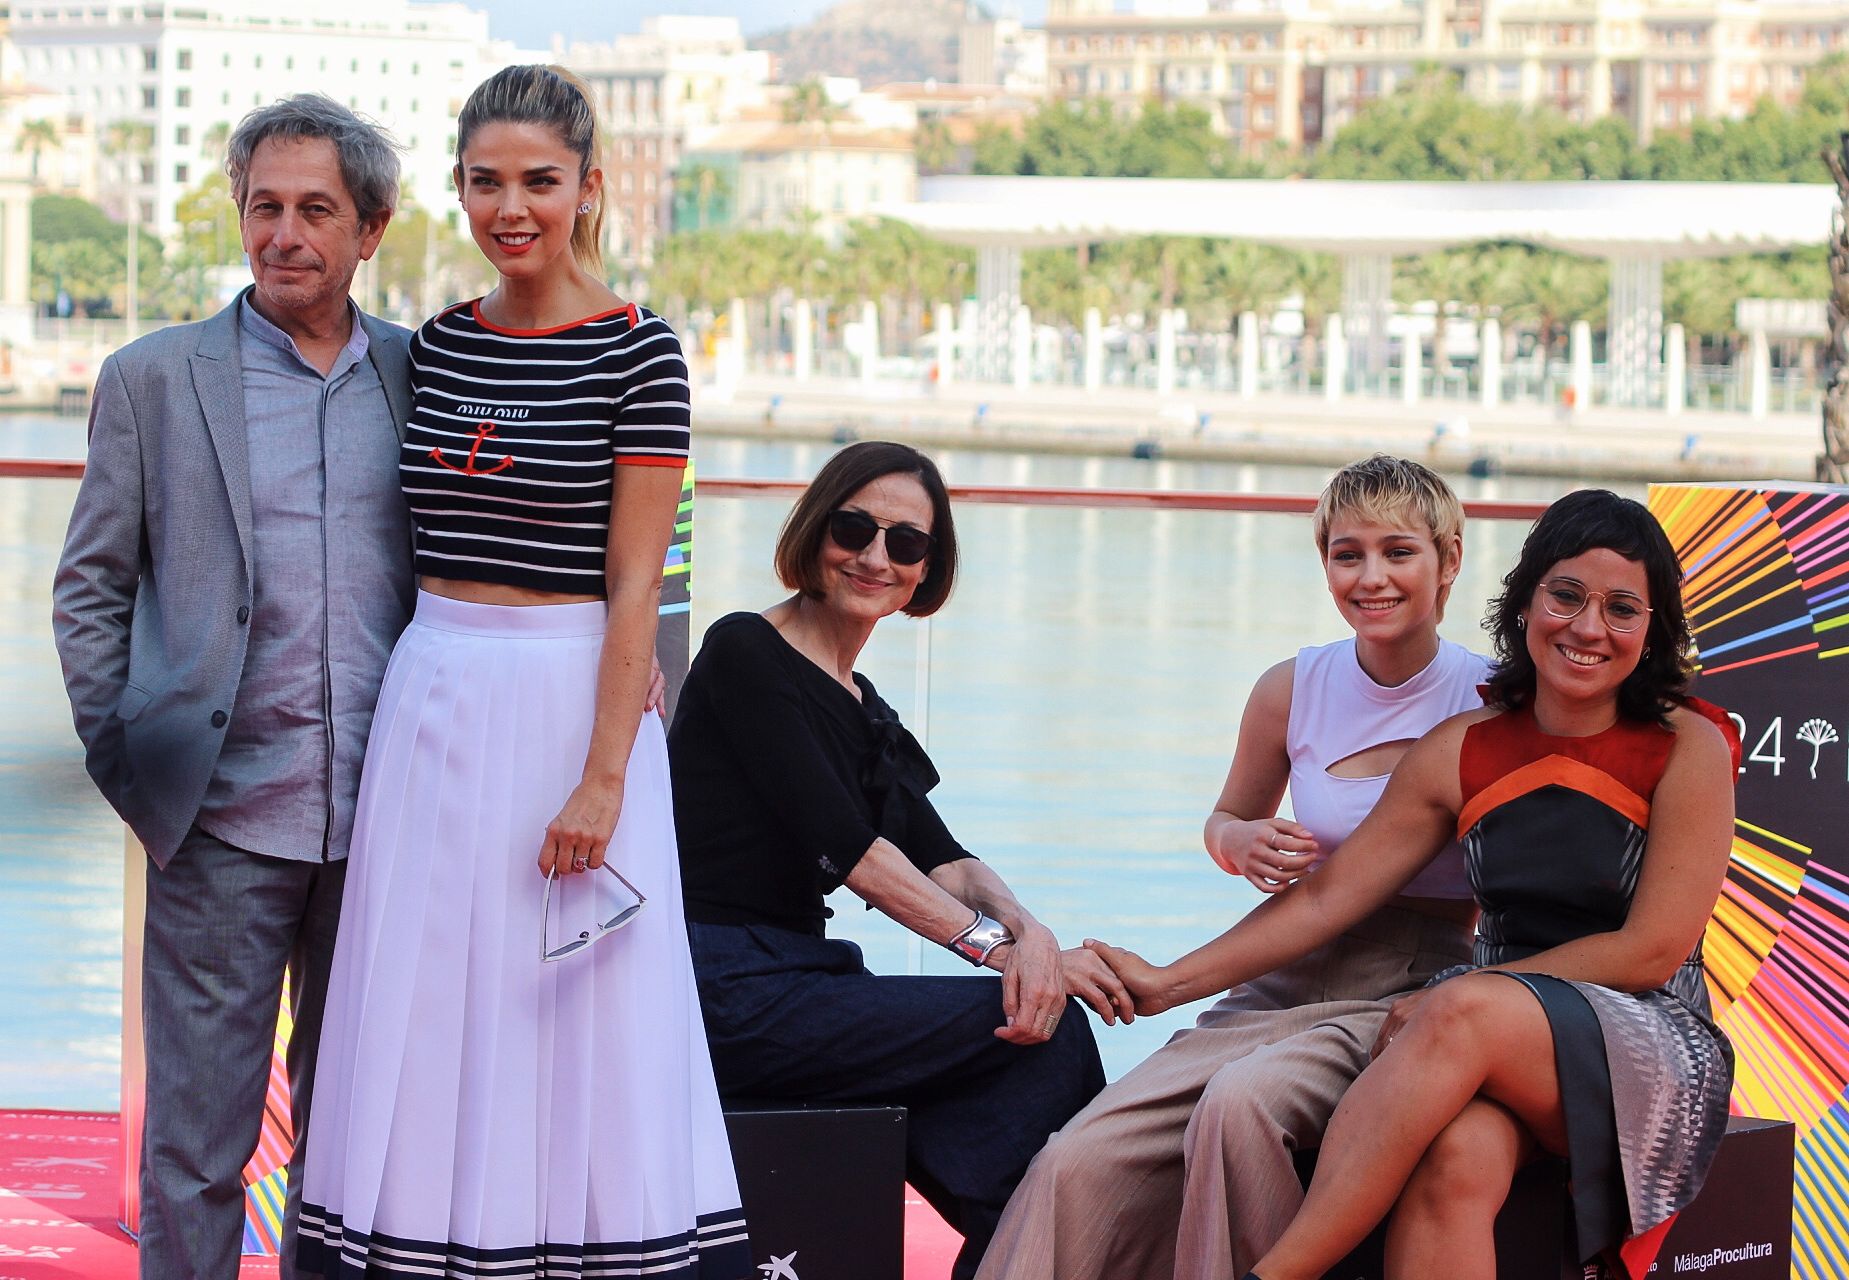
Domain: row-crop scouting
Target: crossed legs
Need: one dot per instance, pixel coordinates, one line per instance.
(1475, 1065)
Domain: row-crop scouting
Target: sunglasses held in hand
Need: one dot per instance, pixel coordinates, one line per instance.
(549, 953)
(855, 531)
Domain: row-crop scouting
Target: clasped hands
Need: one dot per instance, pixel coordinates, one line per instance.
(1038, 977)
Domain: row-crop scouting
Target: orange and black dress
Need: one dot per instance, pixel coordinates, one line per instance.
(1554, 832)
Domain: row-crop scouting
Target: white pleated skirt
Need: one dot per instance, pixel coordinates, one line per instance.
(478, 1112)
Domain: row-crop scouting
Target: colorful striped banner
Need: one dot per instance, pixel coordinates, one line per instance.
(1766, 584)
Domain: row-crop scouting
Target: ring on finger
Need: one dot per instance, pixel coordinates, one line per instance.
(1051, 1024)
(579, 863)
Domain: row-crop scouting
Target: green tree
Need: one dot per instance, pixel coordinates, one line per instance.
(1173, 142)
(934, 147)
(998, 149)
(1055, 284)
(1430, 129)
(80, 249)
(1770, 144)
(35, 138)
(208, 222)
(707, 190)
(809, 103)
(423, 263)
(1249, 277)
(1316, 279)
(1075, 140)
(1554, 290)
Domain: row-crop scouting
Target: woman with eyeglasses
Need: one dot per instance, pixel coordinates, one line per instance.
(1595, 804)
(792, 778)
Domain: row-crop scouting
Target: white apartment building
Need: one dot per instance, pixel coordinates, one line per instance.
(1295, 71)
(677, 75)
(186, 70)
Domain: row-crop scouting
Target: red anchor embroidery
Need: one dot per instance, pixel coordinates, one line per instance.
(484, 431)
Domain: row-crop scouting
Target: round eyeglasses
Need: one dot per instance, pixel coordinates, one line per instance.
(1622, 611)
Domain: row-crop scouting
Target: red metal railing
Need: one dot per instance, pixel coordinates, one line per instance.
(1016, 495)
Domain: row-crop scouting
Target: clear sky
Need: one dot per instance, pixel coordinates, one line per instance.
(531, 23)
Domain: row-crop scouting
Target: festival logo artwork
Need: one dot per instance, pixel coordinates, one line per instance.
(1766, 581)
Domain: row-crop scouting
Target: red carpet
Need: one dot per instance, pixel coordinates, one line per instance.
(59, 1173)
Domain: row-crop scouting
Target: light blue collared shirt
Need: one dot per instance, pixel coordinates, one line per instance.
(332, 588)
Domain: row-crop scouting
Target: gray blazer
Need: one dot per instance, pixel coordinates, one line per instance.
(151, 603)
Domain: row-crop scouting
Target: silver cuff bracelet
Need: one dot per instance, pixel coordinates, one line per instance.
(979, 940)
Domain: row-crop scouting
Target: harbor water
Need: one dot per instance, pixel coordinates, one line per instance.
(1080, 695)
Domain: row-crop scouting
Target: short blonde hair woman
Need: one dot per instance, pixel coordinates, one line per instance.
(1184, 1166)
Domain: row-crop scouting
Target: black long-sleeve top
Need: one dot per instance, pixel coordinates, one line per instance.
(782, 780)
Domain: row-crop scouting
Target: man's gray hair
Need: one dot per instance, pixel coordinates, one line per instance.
(368, 154)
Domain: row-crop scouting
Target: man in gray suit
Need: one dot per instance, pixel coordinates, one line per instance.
(237, 570)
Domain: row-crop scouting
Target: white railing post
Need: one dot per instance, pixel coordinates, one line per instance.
(802, 341)
(1165, 351)
(1094, 349)
(1675, 370)
(1579, 350)
(1489, 364)
(944, 320)
(1248, 354)
(1335, 358)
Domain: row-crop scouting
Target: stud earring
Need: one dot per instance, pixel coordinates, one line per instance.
(1521, 621)
(585, 207)
(1645, 656)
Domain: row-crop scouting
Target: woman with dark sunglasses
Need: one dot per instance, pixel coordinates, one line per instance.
(792, 778)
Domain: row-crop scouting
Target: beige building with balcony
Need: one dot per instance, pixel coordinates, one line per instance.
(678, 75)
(1295, 71)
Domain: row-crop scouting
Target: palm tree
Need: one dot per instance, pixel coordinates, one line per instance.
(809, 103)
(126, 141)
(212, 144)
(35, 138)
(936, 150)
(1249, 277)
(1316, 278)
(709, 186)
(1557, 290)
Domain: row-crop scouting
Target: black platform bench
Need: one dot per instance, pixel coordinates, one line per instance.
(1738, 1228)
(823, 1189)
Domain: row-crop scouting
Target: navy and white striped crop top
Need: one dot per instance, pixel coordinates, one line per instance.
(507, 458)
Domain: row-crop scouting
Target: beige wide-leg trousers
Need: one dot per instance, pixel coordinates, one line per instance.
(1182, 1169)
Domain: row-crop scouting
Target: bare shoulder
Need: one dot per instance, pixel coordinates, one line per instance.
(1271, 692)
(1436, 754)
(1699, 740)
(1450, 732)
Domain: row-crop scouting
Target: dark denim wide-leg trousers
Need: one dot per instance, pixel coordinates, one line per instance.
(792, 1017)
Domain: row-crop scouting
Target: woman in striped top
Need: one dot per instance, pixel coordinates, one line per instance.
(508, 1083)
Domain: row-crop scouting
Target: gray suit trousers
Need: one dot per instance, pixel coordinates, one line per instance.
(223, 927)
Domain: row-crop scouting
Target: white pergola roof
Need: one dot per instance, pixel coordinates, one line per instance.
(1659, 220)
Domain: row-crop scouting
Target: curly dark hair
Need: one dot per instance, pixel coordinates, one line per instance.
(1575, 524)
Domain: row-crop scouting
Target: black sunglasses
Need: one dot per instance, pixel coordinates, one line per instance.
(855, 531)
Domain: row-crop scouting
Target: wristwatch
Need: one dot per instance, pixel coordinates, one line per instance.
(979, 939)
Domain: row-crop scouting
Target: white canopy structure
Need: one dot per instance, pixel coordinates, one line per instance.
(1637, 226)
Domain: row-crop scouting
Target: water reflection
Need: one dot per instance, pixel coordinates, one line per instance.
(1087, 680)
